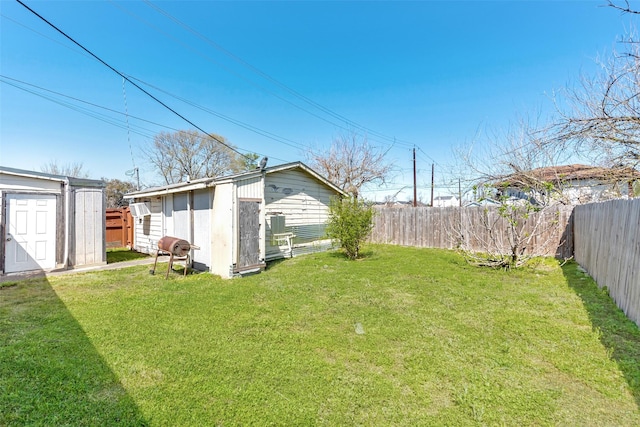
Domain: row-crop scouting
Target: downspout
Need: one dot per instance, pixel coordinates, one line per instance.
(234, 226)
(67, 221)
(190, 204)
(263, 220)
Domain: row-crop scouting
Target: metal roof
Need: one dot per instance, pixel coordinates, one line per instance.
(213, 181)
(79, 182)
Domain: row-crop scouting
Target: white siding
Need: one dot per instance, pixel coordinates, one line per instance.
(304, 203)
(148, 230)
(182, 216)
(222, 230)
(88, 226)
(250, 188)
(24, 183)
(167, 216)
(202, 228)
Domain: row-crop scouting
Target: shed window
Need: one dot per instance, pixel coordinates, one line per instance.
(139, 210)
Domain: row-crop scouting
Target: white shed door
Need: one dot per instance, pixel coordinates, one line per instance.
(31, 232)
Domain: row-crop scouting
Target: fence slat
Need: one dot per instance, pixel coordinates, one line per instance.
(451, 227)
(607, 245)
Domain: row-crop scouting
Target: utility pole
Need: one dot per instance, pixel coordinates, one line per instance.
(432, 181)
(415, 188)
(459, 193)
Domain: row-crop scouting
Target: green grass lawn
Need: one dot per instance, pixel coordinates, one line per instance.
(404, 336)
(123, 254)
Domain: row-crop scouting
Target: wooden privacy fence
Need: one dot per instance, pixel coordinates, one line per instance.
(607, 245)
(474, 228)
(119, 224)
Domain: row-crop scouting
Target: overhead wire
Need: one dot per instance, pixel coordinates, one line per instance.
(230, 71)
(309, 101)
(43, 35)
(16, 83)
(237, 122)
(85, 111)
(133, 83)
(77, 100)
(259, 131)
(96, 115)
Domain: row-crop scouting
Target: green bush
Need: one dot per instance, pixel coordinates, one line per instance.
(350, 222)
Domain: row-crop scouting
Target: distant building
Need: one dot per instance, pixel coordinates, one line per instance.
(445, 201)
(571, 184)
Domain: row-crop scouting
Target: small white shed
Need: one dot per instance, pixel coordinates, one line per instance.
(240, 221)
(50, 222)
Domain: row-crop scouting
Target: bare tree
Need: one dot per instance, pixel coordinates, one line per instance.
(501, 233)
(184, 155)
(73, 169)
(512, 157)
(622, 6)
(601, 114)
(351, 163)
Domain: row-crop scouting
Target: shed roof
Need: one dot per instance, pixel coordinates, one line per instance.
(213, 181)
(78, 182)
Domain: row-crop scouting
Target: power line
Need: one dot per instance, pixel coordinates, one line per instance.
(77, 100)
(227, 69)
(276, 82)
(86, 111)
(42, 35)
(239, 123)
(133, 83)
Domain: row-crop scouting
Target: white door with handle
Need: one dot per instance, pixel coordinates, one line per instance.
(30, 232)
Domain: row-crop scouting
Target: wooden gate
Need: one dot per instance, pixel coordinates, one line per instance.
(119, 223)
(249, 235)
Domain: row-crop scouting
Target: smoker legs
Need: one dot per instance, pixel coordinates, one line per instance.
(187, 263)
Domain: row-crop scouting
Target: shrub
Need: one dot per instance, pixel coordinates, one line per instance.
(350, 222)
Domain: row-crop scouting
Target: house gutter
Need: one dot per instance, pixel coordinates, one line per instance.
(167, 191)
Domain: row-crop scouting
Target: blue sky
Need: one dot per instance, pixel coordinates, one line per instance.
(434, 75)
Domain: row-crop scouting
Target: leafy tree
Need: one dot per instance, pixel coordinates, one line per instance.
(247, 162)
(350, 222)
(350, 163)
(73, 169)
(184, 155)
(115, 190)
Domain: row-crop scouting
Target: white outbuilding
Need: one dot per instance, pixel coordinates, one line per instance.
(238, 222)
(50, 222)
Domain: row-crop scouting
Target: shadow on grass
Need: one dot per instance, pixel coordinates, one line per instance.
(123, 254)
(50, 373)
(275, 262)
(617, 333)
(364, 254)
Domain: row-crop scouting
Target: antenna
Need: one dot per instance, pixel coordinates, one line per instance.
(135, 170)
